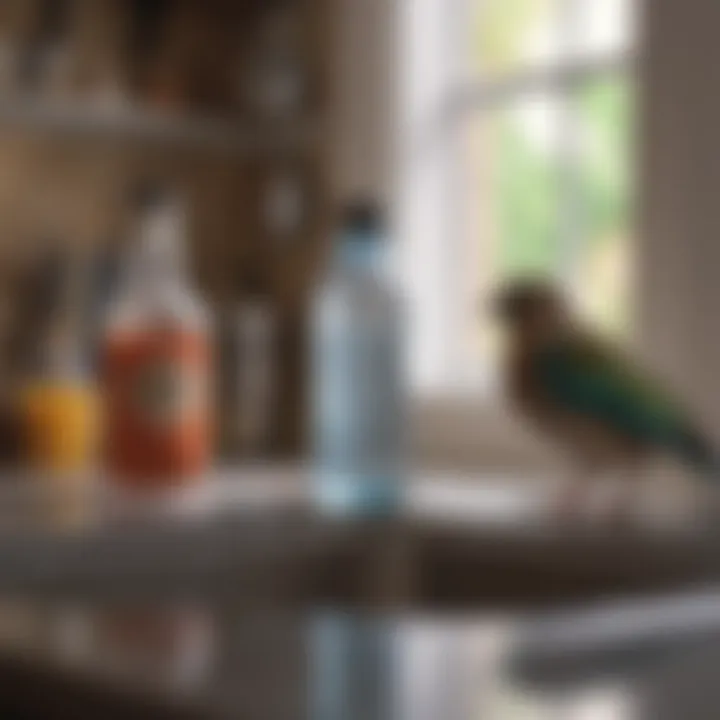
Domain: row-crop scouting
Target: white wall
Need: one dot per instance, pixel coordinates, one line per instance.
(680, 196)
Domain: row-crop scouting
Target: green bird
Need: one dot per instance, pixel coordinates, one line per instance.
(603, 409)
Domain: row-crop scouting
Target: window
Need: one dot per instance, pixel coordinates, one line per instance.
(517, 158)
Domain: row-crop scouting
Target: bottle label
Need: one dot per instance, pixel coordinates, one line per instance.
(157, 398)
(167, 393)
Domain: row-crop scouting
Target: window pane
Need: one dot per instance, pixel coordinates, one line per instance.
(509, 34)
(511, 205)
(601, 27)
(547, 190)
(538, 181)
(513, 35)
(605, 178)
(526, 194)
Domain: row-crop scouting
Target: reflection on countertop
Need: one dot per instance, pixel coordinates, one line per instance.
(228, 662)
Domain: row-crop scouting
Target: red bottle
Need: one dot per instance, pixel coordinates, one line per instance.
(156, 359)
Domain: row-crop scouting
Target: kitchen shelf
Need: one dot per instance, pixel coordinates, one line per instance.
(133, 124)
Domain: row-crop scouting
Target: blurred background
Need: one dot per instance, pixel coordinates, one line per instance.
(485, 140)
(501, 137)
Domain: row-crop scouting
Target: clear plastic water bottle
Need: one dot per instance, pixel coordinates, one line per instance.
(357, 374)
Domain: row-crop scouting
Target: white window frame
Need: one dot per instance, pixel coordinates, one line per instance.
(454, 426)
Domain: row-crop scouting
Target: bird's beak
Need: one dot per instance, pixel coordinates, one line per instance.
(497, 306)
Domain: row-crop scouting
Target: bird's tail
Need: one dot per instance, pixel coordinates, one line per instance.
(701, 454)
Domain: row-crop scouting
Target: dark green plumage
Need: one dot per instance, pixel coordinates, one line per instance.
(591, 380)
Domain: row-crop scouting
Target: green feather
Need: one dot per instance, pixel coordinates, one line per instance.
(592, 380)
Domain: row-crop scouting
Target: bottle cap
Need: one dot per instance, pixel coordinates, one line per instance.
(159, 218)
(364, 218)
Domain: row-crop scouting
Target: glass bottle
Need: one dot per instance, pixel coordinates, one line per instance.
(156, 359)
(59, 403)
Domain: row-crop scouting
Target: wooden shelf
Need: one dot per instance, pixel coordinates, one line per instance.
(127, 123)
